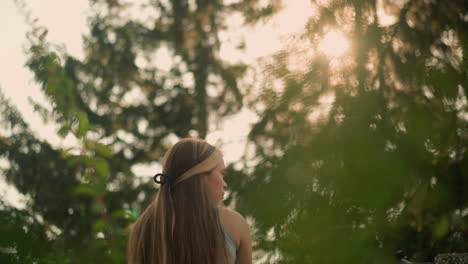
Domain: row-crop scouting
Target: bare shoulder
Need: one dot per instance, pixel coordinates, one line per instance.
(236, 224)
(241, 233)
(231, 213)
(232, 217)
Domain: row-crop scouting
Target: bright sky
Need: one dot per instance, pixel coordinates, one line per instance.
(66, 22)
(15, 80)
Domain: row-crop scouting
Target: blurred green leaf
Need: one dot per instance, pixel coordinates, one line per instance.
(103, 150)
(441, 227)
(101, 166)
(85, 189)
(100, 225)
(63, 131)
(83, 124)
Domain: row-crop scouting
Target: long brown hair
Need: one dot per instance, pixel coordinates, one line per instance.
(181, 225)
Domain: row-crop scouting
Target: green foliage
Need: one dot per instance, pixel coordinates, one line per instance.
(28, 236)
(382, 175)
(122, 103)
(378, 175)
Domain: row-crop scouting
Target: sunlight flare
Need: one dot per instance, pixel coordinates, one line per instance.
(334, 44)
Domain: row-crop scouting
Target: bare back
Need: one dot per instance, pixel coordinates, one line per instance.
(239, 230)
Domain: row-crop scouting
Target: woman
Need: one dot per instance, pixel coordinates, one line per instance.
(186, 222)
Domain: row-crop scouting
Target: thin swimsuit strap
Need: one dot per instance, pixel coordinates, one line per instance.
(231, 245)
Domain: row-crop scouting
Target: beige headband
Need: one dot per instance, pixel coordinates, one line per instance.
(205, 166)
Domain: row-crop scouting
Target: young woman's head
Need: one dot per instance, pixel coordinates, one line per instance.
(196, 158)
(181, 225)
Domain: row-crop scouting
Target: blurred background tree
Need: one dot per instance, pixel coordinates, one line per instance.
(151, 72)
(359, 153)
(360, 156)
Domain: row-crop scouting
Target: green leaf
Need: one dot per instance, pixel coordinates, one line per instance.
(441, 228)
(103, 150)
(135, 214)
(75, 160)
(85, 189)
(98, 208)
(63, 131)
(83, 124)
(102, 167)
(100, 225)
(121, 214)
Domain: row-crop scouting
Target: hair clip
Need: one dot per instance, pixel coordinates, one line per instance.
(161, 178)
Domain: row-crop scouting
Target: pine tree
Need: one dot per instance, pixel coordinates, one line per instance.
(381, 174)
(151, 72)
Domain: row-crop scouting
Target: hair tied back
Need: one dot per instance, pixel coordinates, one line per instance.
(161, 178)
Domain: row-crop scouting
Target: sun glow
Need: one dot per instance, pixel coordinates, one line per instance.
(333, 44)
